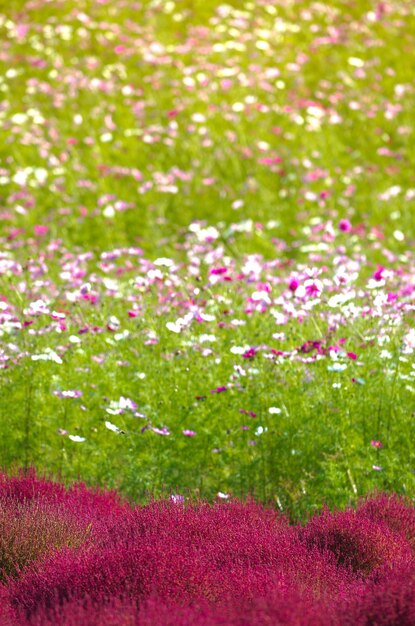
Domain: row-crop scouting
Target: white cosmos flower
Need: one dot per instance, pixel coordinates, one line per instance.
(112, 427)
(341, 298)
(206, 338)
(223, 496)
(260, 430)
(163, 261)
(337, 367)
(175, 327)
(74, 339)
(239, 349)
(49, 355)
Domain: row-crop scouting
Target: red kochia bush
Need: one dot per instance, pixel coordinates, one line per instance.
(28, 487)
(276, 609)
(357, 541)
(388, 599)
(232, 563)
(38, 516)
(392, 510)
(179, 552)
(28, 532)
(218, 554)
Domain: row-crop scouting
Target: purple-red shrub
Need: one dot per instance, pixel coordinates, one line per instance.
(27, 486)
(85, 612)
(388, 599)
(273, 609)
(397, 512)
(218, 553)
(357, 543)
(29, 531)
(83, 557)
(33, 509)
(180, 552)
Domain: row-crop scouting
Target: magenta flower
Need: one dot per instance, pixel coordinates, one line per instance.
(352, 356)
(310, 345)
(189, 433)
(345, 226)
(378, 275)
(313, 287)
(376, 444)
(161, 431)
(40, 230)
(219, 389)
(249, 354)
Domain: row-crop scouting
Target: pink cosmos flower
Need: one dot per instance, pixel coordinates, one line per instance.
(345, 226)
(378, 275)
(40, 230)
(313, 287)
(161, 431)
(376, 444)
(249, 354)
(189, 433)
(22, 30)
(219, 389)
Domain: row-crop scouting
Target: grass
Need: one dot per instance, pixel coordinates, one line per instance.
(165, 161)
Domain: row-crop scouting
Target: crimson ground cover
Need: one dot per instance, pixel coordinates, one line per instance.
(78, 556)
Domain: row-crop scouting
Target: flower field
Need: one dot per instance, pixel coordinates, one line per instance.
(77, 556)
(207, 269)
(207, 296)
